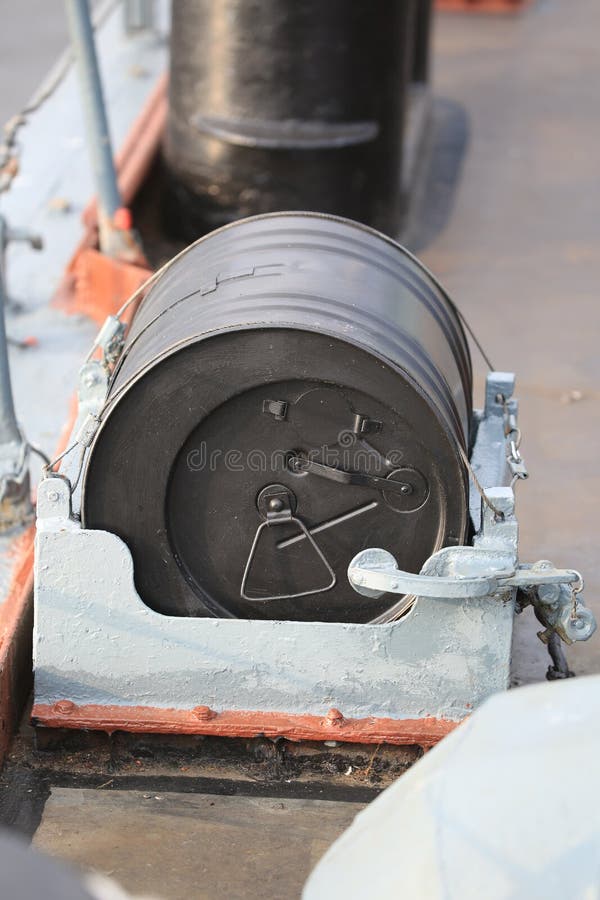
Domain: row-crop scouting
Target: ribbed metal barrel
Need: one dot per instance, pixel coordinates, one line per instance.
(287, 105)
(280, 338)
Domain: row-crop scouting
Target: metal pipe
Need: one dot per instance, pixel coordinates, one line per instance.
(9, 430)
(96, 122)
(286, 105)
(15, 498)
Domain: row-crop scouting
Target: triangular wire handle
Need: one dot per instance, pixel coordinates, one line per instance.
(315, 546)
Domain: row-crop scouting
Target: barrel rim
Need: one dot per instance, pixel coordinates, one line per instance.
(208, 335)
(454, 317)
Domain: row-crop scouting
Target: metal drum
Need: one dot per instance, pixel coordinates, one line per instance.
(295, 388)
(287, 105)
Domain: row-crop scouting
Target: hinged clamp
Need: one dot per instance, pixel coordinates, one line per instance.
(553, 592)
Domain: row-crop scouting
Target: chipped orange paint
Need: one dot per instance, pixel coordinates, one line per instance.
(242, 724)
(15, 636)
(103, 284)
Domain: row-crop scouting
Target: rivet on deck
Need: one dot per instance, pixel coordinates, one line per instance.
(204, 713)
(64, 707)
(334, 718)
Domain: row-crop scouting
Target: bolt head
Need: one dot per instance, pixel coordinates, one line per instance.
(334, 717)
(275, 504)
(64, 707)
(204, 713)
(52, 496)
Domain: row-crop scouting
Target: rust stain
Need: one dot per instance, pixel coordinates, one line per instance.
(246, 724)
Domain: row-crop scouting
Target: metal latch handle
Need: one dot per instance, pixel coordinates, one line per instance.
(374, 572)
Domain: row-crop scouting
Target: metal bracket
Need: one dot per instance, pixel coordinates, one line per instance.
(110, 339)
(470, 573)
(93, 387)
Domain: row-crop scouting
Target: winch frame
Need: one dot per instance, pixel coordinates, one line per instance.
(104, 660)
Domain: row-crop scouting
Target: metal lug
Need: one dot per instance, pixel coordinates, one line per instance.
(54, 497)
(93, 386)
(110, 339)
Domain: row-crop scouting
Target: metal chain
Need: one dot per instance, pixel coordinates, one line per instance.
(576, 588)
(512, 433)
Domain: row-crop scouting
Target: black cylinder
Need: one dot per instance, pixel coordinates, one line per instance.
(294, 389)
(422, 41)
(281, 104)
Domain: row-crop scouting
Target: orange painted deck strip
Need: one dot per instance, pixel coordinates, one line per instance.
(15, 635)
(234, 723)
(16, 620)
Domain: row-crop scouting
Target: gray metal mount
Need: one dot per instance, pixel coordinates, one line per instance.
(96, 642)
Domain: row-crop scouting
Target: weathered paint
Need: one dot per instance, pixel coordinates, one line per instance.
(15, 638)
(101, 284)
(424, 732)
(97, 643)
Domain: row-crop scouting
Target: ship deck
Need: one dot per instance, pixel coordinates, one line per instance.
(506, 215)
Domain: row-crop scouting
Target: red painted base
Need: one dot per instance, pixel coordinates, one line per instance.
(231, 723)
